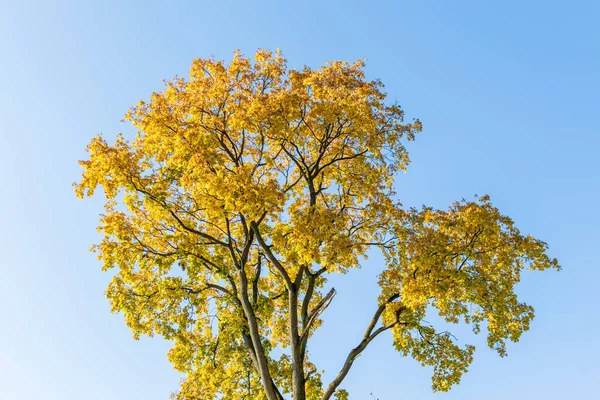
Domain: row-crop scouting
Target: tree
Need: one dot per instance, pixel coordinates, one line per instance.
(250, 183)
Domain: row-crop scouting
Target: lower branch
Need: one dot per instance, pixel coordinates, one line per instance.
(355, 352)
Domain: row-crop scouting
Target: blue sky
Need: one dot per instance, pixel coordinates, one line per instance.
(508, 95)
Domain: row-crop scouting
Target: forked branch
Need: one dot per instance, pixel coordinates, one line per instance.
(312, 317)
(367, 338)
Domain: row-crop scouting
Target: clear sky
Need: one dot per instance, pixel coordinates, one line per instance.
(508, 92)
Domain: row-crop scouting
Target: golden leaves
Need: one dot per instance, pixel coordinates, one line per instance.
(465, 262)
(307, 158)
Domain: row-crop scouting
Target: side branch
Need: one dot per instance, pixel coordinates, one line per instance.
(367, 338)
(312, 280)
(312, 317)
(211, 239)
(378, 313)
(271, 256)
(208, 286)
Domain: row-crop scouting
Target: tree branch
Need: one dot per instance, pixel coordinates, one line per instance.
(312, 317)
(257, 272)
(378, 313)
(306, 301)
(203, 235)
(367, 338)
(271, 256)
(259, 351)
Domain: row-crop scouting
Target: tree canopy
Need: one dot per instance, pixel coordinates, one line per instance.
(246, 186)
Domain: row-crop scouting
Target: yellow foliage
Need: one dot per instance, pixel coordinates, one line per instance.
(245, 186)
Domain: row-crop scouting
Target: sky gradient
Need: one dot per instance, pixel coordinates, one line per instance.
(508, 95)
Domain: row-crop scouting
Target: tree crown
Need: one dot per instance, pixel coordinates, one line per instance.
(245, 186)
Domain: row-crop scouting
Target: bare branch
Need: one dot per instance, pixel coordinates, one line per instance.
(312, 317)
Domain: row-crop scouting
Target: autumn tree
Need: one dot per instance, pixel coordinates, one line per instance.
(246, 186)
